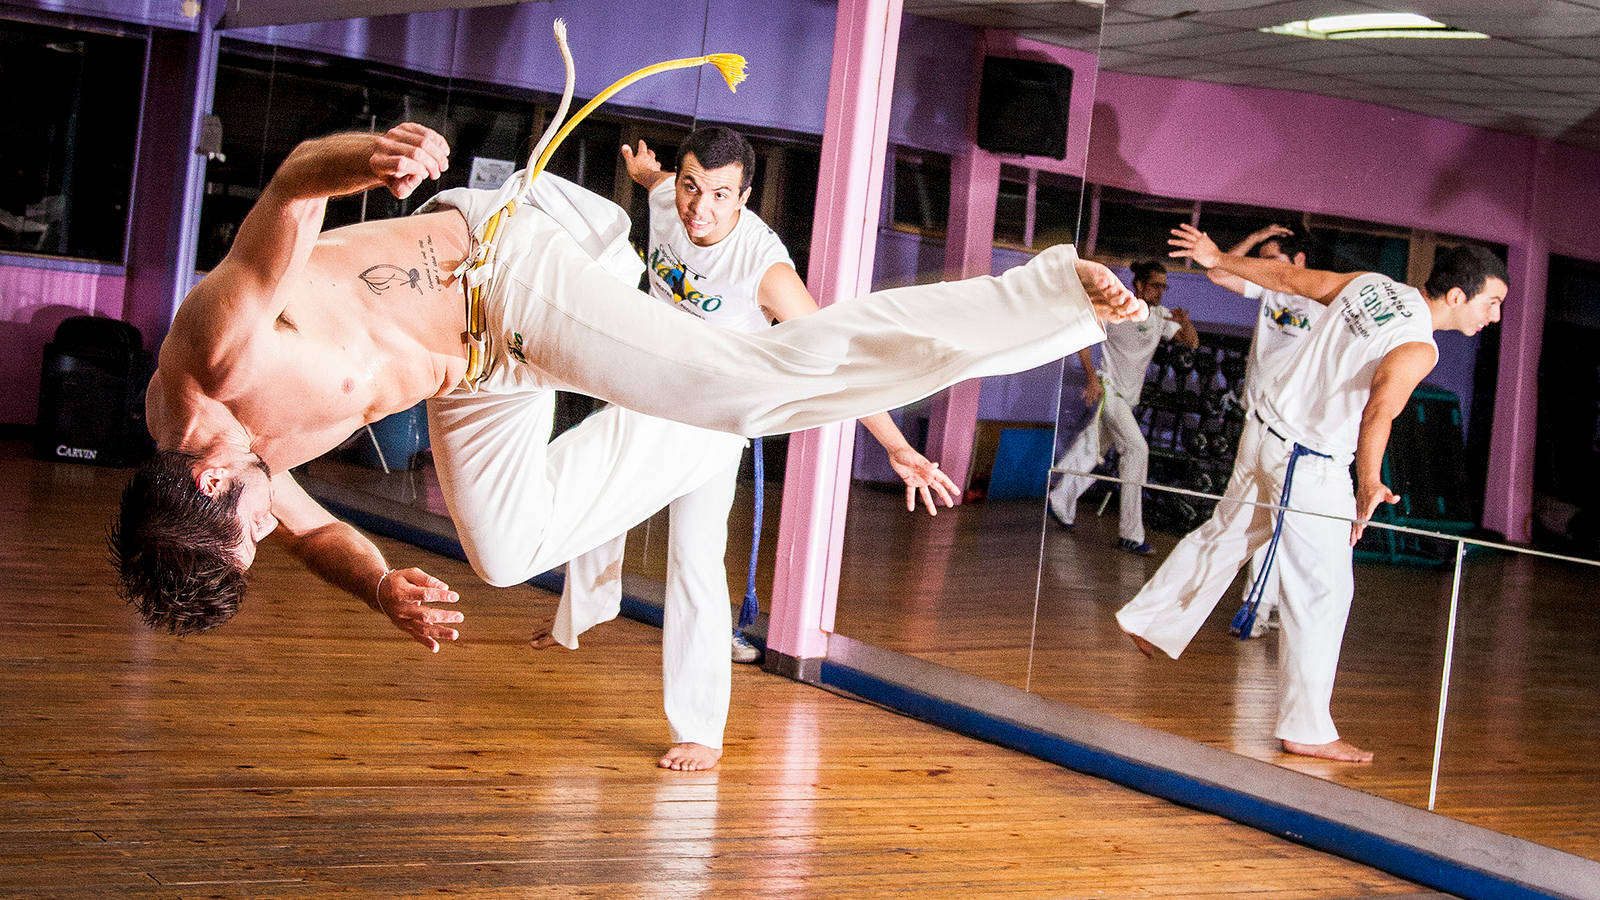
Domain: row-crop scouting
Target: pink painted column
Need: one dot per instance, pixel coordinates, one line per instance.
(817, 477)
(1508, 495)
(968, 252)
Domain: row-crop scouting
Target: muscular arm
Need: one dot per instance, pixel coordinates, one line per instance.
(1272, 274)
(346, 559)
(277, 236)
(1399, 373)
(783, 296)
(1251, 241)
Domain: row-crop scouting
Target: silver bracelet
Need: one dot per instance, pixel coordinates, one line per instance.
(377, 593)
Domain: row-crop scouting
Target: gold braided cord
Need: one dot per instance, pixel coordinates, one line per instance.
(731, 65)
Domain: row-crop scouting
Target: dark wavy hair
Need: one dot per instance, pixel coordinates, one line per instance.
(1143, 269)
(174, 547)
(1468, 267)
(1290, 244)
(715, 147)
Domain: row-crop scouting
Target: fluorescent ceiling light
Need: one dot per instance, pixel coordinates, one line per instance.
(1371, 25)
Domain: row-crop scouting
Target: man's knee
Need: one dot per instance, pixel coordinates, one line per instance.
(499, 568)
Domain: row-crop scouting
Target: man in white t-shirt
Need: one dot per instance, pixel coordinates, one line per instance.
(1282, 322)
(1127, 352)
(1335, 400)
(712, 258)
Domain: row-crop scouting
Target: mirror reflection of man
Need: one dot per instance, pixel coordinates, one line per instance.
(1282, 322)
(1127, 352)
(1333, 402)
(715, 259)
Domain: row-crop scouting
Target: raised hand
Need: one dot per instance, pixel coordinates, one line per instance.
(642, 163)
(406, 154)
(403, 596)
(1192, 243)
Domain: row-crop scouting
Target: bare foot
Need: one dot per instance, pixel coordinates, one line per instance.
(1145, 647)
(544, 640)
(690, 757)
(1336, 750)
(1112, 300)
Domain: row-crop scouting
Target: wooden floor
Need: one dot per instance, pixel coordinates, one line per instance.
(308, 749)
(1521, 753)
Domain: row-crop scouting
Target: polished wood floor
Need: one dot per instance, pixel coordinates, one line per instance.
(1521, 751)
(307, 749)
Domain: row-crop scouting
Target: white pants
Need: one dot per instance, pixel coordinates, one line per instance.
(558, 319)
(1313, 557)
(1086, 451)
(696, 621)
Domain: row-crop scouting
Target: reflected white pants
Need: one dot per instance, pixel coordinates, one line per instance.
(696, 619)
(1314, 564)
(1133, 465)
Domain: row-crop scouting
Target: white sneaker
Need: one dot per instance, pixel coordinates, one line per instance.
(744, 651)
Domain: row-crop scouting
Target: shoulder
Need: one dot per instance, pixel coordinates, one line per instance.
(769, 248)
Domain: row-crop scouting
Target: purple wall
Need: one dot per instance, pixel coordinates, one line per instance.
(788, 58)
(162, 13)
(1300, 151)
(513, 45)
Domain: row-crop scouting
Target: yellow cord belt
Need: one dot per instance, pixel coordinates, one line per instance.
(478, 268)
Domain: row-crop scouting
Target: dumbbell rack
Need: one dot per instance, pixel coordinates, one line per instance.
(1191, 414)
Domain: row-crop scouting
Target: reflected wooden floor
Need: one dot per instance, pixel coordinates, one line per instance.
(1521, 750)
(307, 749)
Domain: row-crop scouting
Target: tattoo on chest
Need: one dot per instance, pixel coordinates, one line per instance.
(381, 277)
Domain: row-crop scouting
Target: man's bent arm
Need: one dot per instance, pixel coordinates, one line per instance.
(1401, 370)
(1251, 241)
(345, 558)
(279, 232)
(1272, 274)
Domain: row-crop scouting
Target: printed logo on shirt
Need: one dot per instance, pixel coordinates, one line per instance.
(1286, 318)
(1374, 306)
(675, 275)
(514, 347)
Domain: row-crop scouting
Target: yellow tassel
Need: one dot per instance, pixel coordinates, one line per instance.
(731, 65)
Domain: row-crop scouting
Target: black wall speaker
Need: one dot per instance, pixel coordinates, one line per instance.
(91, 394)
(1022, 107)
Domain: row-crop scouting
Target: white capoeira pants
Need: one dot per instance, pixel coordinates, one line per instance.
(1313, 557)
(696, 619)
(1117, 422)
(557, 319)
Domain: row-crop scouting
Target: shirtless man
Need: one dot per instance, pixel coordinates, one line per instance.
(297, 339)
(1334, 400)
